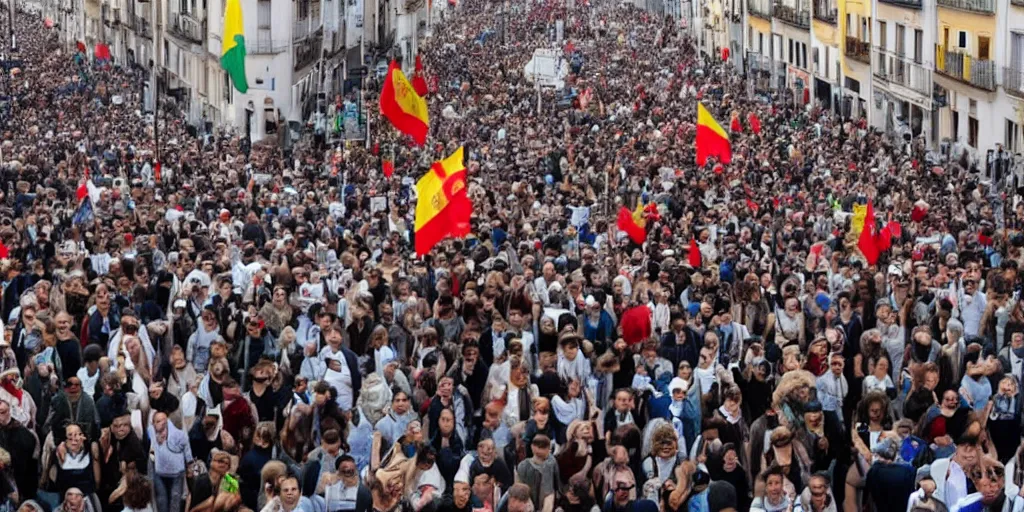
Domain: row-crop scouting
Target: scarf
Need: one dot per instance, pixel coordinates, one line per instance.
(12, 388)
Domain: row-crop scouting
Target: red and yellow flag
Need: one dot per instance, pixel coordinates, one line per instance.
(711, 138)
(406, 110)
(443, 207)
(633, 223)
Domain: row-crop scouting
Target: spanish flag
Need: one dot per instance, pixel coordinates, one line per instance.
(442, 207)
(406, 110)
(633, 223)
(711, 138)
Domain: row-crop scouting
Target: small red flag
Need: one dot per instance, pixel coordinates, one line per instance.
(867, 242)
(156, 172)
(693, 258)
(388, 168)
(755, 124)
(725, 53)
(734, 125)
(4, 253)
(419, 84)
(753, 206)
(83, 189)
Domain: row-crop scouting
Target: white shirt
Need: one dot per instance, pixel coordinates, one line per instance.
(540, 286)
(339, 497)
(346, 398)
(956, 484)
(88, 383)
(832, 391)
(971, 309)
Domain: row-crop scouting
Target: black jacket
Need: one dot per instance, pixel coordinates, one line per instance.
(21, 443)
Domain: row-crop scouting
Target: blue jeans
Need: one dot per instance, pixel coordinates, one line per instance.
(169, 492)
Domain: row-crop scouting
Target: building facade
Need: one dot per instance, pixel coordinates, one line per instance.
(302, 55)
(945, 71)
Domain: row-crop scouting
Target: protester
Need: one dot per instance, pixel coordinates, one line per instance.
(795, 324)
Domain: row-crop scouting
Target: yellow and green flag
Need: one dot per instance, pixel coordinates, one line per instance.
(232, 53)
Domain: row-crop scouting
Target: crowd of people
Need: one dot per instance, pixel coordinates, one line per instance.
(187, 338)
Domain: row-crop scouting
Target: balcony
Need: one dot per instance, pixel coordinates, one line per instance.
(982, 6)
(825, 13)
(142, 27)
(266, 47)
(759, 62)
(761, 8)
(858, 50)
(187, 27)
(300, 30)
(1013, 81)
(912, 4)
(899, 70)
(964, 68)
(792, 16)
(307, 51)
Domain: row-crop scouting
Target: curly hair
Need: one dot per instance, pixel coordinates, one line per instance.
(138, 493)
(865, 404)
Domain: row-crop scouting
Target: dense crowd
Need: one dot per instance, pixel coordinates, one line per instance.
(193, 339)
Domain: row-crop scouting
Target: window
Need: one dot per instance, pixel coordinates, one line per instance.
(956, 126)
(790, 51)
(901, 40)
(983, 47)
(883, 34)
(1016, 50)
(918, 45)
(817, 64)
(226, 87)
(1012, 141)
(972, 132)
(865, 34)
(961, 39)
(263, 13)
